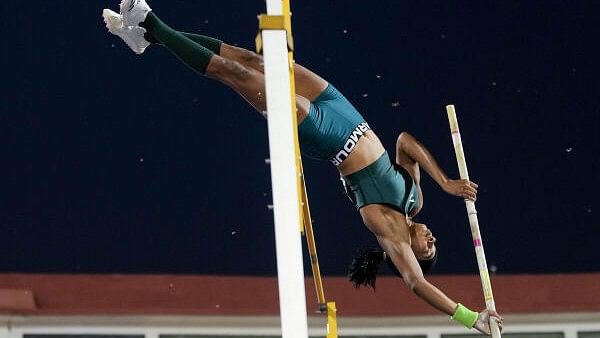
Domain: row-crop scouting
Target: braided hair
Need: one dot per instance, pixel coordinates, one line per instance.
(365, 265)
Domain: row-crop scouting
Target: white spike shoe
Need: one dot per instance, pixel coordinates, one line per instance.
(132, 35)
(134, 11)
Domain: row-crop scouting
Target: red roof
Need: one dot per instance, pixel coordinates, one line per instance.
(52, 294)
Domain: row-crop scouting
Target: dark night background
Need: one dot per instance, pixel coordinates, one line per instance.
(113, 162)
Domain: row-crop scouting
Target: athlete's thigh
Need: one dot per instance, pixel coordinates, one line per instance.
(249, 83)
(308, 84)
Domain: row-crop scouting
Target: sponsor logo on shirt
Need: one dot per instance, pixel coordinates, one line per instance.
(343, 154)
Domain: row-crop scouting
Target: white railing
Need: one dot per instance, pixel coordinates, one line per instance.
(158, 326)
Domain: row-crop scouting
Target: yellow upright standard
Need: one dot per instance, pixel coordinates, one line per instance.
(324, 306)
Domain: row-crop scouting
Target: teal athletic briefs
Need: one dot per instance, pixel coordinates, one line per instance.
(381, 182)
(331, 131)
(332, 128)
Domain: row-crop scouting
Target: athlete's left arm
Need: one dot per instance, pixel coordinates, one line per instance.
(417, 152)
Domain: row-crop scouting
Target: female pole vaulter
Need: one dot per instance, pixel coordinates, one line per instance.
(386, 194)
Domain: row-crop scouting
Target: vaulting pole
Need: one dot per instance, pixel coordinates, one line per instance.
(473, 221)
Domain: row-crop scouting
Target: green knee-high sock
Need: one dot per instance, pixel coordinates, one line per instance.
(191, 53)
(205, 41)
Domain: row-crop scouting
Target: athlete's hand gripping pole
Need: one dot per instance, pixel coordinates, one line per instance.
(473, 221)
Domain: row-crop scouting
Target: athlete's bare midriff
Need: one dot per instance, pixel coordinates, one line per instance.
(367, 150)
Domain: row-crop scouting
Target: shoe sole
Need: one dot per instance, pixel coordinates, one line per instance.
(113, 20)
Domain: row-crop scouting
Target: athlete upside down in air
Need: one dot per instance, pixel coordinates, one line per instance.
(386, 194)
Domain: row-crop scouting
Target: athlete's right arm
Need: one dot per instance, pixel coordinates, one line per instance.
(393, 234)
(405, 261)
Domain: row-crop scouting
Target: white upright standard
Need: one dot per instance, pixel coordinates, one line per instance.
(284, 178)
